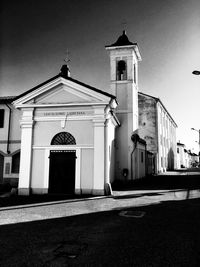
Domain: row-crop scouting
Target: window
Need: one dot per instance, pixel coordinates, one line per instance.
(161, 161)
(7, 168)
(121, 70)
(63, 138)
(15, 163)
(2, 111)
(142, 157)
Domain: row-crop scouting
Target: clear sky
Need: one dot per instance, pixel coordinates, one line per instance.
(36, 34)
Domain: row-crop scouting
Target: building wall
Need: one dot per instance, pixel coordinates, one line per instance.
(110, 151)
(159, 131)
(9, 149)
(139, 161)
(44, 129)
(167, 156)
(81, 130)
(147, 122)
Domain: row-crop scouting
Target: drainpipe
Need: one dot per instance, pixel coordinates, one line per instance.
(8, 139)
(146, 160)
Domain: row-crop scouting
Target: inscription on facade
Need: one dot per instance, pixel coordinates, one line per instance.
(70, 113)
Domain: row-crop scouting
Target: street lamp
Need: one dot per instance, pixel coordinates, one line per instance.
(196, 72)
(198, 142)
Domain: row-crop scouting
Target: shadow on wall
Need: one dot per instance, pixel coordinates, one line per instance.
(112, 161)
(170, 158)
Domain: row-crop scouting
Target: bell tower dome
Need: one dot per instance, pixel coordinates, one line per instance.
(124, 58)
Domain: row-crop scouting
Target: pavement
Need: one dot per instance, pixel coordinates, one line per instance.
(144, 225)
(45, 207)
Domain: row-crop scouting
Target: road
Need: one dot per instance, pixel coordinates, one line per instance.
(147, 226)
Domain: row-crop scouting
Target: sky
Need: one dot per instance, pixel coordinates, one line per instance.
(35, 36)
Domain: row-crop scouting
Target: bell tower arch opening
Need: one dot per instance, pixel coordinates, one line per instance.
(121, 71)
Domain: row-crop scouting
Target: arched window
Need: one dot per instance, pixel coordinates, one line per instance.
(63, 138)
(15, 163)
(121, 70)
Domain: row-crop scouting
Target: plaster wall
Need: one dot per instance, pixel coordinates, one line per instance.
(45, 131)
(110, 151)
(38, 168)
(167, 140)
(15, 133)
(122, 146)
(4, 130)
(147, 122)
(87, 170)
(138, 162)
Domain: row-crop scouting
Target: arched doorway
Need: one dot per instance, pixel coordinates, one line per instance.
(62, 165)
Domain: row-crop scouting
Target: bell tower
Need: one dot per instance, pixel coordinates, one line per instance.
(124, 57)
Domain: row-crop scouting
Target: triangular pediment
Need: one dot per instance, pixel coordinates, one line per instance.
(62, 91)
(63, 94)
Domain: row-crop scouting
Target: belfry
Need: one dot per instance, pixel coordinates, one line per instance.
(124, 58)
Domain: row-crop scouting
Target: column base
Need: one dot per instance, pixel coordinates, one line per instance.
(24, 191)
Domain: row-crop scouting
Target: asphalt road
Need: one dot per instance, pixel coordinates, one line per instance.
(144, 227)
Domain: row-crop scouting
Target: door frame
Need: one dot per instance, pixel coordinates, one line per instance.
(77, 166)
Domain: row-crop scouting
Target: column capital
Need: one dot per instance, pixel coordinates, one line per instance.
(99, 122)
(26, 123)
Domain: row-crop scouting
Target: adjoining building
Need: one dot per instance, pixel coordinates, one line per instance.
(10, 141)
(158, 129)
(186, 158)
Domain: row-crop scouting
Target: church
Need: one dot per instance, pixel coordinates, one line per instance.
(74, 138)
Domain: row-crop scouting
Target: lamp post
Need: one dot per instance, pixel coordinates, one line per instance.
(196, 72)
(198, 142)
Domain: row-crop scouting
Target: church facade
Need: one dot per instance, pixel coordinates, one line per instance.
(67, 130)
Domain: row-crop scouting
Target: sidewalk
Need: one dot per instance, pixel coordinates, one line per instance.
(71, 207)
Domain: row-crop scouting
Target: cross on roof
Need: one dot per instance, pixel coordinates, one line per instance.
(67, 59)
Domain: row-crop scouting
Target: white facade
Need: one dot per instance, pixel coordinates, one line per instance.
(64, 106)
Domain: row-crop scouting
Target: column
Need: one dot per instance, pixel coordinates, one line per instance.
(26, 152)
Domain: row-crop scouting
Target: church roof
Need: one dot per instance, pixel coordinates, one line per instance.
(7, 99)
(63, 75)
(122, 41)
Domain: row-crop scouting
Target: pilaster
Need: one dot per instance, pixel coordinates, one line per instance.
(26, 151)
(99, 156)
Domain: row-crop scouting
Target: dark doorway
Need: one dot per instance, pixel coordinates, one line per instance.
(62, 172)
